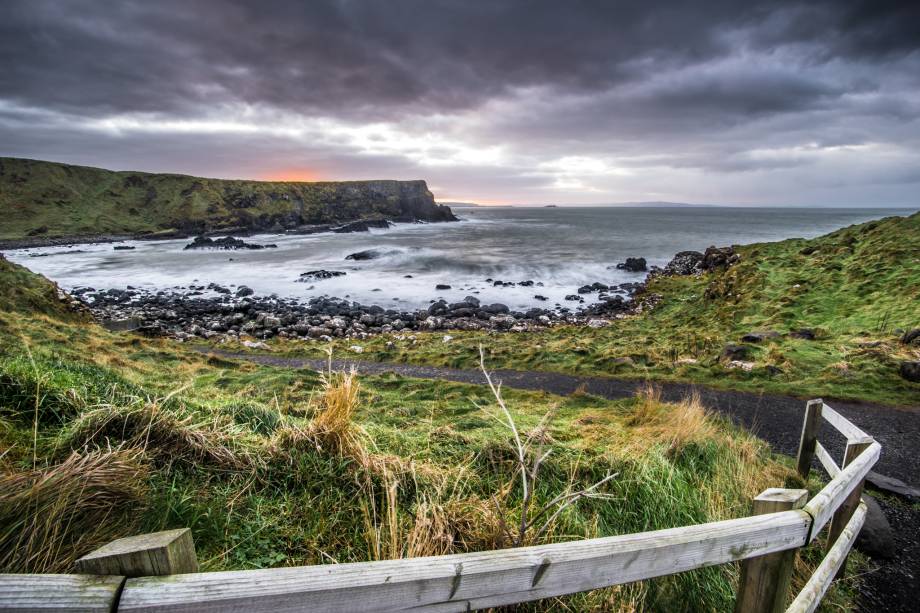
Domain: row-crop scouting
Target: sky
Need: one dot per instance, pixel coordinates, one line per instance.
(499, 101)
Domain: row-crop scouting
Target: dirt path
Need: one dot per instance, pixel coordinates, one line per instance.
(776, 419)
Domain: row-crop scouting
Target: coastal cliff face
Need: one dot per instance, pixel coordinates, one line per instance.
(43, 200)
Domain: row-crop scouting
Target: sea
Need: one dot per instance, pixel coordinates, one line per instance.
(558, 249)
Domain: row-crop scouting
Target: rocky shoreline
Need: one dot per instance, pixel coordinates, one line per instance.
(213, 311)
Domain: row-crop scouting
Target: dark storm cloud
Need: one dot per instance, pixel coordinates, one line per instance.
(720, 86)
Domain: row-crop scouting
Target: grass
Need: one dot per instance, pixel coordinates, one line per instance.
(103, 435)
(48, 199)
(857, 288)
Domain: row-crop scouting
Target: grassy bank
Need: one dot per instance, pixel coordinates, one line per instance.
(855, 289)
(103, 435)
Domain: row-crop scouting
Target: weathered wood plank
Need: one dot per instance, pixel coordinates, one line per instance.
(59, 593)
(809, 438)
(765, 579)
(843, 425)
(469, 581)
(826, 460)
(848, 506)
(810, 596)
(826, 502)
(170, 552)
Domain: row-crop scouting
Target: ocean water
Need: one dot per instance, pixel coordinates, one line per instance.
(560, 248)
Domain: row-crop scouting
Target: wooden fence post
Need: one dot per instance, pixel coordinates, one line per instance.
(765, 579)
(845, 510)
(810, 427)
(171, 552)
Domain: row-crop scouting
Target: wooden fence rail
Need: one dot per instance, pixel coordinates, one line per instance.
(157, 572)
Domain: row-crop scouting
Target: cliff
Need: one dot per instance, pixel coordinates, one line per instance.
(41, 201)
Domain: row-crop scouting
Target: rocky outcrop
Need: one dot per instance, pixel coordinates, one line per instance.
(633, 265)
(227, 242)
(134, 204)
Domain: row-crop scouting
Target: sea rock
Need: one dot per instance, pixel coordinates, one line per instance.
(495, 308)
(317, 275)
(594, 287)
(441, 286)
(910, 371)
(124, 248)
(633, 265)
(364, 225)
(227, 242)
(243, 291)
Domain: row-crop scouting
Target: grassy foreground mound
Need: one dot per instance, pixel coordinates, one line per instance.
(830, 312)
(45, 199)
(104, 435)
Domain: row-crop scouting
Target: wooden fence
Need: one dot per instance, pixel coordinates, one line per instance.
(158, 572)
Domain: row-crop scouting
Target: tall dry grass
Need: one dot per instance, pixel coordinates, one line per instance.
(51, 516)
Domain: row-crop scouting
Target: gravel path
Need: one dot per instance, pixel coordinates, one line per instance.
(894, 586)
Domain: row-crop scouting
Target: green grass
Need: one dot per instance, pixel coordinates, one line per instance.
(48, 199)
(169, 438)
(857, 288)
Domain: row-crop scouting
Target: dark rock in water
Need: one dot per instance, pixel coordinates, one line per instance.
(441, 286)
(496, 308)
(719, 257)
(876, 537)
(911, 337)
(438, 308)
(633, 265)
(123, 248)
(527, 283)
(361, 226)
(227, 242)
(734, 352)
(684, 263)
(910, 371)
(368, 254)
(244, 291)
(473, 301)
(594, 287)
(541, 298)
(574, 298)
(890, 485)
(317, 275)
(804, 333)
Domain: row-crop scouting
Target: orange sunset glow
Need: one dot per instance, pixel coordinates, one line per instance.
(293, 175)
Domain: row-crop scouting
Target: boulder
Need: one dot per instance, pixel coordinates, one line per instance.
(227, 242)
(361, 226)
(804, 333)
(734, 352)
(318, 275)
(911, 337)
(441, 286)
(910, 371)
(684, 263)
(890, 485)
(633, 265)
(123, 247)
(598, 323)
(496, 308)
(719, 257)
(367, 254)
(876, 539)
(757, 337)
(243, 291)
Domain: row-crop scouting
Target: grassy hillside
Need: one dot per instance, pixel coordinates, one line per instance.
(46, 199)
(105, 435)
(857, 289)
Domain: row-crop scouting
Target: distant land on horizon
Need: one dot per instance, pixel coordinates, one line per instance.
(682, 205)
